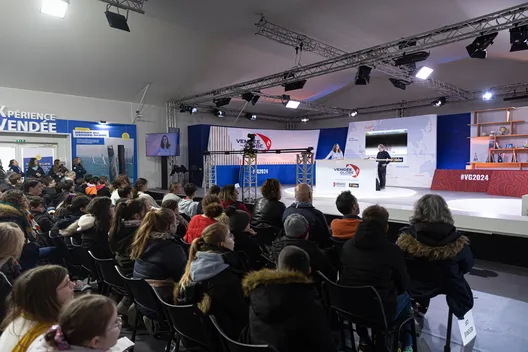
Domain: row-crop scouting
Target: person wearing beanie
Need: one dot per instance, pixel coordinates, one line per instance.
(245, 241)
(296, 230)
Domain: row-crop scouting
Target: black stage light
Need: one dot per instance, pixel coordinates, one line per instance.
(439, 102)
(251, 98)
(221, 102)
(363, 75)
(251, 116)
(399, 83)
(477, 49)
(294, 85)
(117, 21)
(187, 108)
(218, 113)
(411, 58)
(519, 38)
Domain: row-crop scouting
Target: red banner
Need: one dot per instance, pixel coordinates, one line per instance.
(509, 183)
(462, 180)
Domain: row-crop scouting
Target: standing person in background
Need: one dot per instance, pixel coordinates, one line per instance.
(335, 153)
(13, 166)
(33, 169)
(382, 164)
(174, 190)
(57, 171)
(78, 168)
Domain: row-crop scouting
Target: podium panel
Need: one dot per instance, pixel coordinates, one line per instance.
(356, 175)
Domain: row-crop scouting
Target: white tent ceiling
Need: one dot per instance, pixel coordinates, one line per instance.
(182, 47)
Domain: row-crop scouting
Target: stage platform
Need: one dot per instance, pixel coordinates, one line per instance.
(475, 212)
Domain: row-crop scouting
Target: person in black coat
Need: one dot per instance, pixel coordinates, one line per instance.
(382, 165)
(94, 227)
(37, 206)
(269, 209)
(34, 170)
(319, 230)
(437, 256)
(296, 234)
(78, 168)
(245, 240)
(57, 171)
(14, 167)
(285, 309)
(212, 282)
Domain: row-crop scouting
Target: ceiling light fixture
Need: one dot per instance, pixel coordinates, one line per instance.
(251, 98)
(363, 75)
(190, 109)
(399, 83)
(117, 20)
(251, 117)
(487, 95)
(353, 113)
(293, 104)
(293, 85)
(305, 119)
(221, 102)
(55, 8)
(411, 58)
(218, 113)
(477, 49)
(423, 72)
(439, 102)
(519, 38)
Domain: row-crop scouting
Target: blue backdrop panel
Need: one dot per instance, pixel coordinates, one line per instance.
(328, 137)
(453, 144)
(231, 174)
(197, 141)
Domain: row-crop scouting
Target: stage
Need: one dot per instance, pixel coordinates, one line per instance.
(475, 212)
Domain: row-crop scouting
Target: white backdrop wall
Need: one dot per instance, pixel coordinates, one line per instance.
(71, 107)
(418, 164)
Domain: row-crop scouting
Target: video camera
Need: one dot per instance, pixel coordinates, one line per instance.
(249, 146)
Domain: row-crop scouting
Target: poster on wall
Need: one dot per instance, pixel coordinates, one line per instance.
(412, 140)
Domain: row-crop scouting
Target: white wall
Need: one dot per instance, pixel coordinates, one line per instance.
(71, 107)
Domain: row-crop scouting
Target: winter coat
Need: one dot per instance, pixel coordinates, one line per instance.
(16, 170)
(369, 259)
(318, 261)
(268, 213)
(319, 231)
(93, 239)
(58, 174)
(437, 258)
(171, 196)
(44, 220)
(12, 213)
(285, 311)
(163, 259)
(123, 241)
(216, 289)
(188, 207)
(247, 243)
(38, 173)
(196, 227)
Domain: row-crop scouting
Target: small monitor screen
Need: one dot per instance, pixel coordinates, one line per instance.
(162, 144)
(395, 142)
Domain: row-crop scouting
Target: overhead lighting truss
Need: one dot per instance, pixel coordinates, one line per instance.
(173, 109)
(497, 21)
(129, 5)
(291, 38)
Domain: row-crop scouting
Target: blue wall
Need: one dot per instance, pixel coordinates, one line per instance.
(198, 140)
(328, 137)
(453, 144)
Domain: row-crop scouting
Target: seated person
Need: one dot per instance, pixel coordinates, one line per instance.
(126, 192)
(212, 212)
(175, 189)
(370, 259)
(49, 191)
(229, 196)
(95, 225)
(437, 257)
(37, 206)
(103, 189)
(187, 205)
(245, 241)
(182, 223)
(285, 310)
(296, 229)
(94, 186)
(345, 228)
(213, 190)
(80, 185)
(269, 209)
(33, 187)
(319, 231)
(15, 181)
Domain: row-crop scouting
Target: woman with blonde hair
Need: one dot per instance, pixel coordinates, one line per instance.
(34, 305)
(88, 323)
(11, 241)
(213, 281)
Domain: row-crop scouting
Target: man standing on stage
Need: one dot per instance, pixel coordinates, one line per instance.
(383, 161)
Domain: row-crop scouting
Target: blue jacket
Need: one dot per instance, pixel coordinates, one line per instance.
(79, 171)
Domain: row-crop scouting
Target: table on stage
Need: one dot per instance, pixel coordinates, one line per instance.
(357, 175)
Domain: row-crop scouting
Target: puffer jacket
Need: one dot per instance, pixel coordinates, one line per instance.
(188, 207)
(268, 213)
(92, 239)
(123, 241)
(437, 256)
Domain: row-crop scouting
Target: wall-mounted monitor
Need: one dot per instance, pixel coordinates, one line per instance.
(395, 141)
(162, 144)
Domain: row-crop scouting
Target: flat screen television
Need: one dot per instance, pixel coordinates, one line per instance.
(395, 141)
(162, 144)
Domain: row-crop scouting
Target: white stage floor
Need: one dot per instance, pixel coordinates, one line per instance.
(476, 212)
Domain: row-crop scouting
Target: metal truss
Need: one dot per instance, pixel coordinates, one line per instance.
(209, 171)
(497, 21)
(129, 5)
(304, 43)
(249, 178)
(304, 105)
(304, 168)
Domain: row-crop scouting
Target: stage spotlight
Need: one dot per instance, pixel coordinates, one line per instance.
(363, 75)
(251, 116)
(218, 113)
(519, 38)
(190, 109)
(477, 49)
(55, 8)
(353, 113)
(423, 72)
(399, 83)
(293, 104)
(411, 58)
(117, 21)
(487, 95)
(251, 98)
(221, 102)
(439, 102)
(305, 119)
(293, 85)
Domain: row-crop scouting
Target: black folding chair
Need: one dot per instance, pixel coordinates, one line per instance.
(108, 275)
(5, 290)
(363, 307)
(268, 262)
(265, 234)
(234, 346)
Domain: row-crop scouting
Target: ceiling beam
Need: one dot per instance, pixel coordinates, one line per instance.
(129, 5)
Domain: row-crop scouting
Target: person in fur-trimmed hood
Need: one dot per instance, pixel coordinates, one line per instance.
(437, 256)
(285, 310)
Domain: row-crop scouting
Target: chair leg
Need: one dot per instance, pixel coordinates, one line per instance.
(178, 340)
(343, 337)
(447, 347)
(134, 330)
(352, 338)
(413, 336)
(169, 342)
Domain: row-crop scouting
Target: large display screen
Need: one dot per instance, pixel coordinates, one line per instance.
(162, 144)
(395, 142)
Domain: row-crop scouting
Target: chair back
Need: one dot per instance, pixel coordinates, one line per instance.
(268, 262)
(361, 304)
(235, 346)
(144, 296)
(108, 273)
(5, 290)
(265, 234)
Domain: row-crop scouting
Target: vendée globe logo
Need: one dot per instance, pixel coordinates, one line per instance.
(348, 170)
